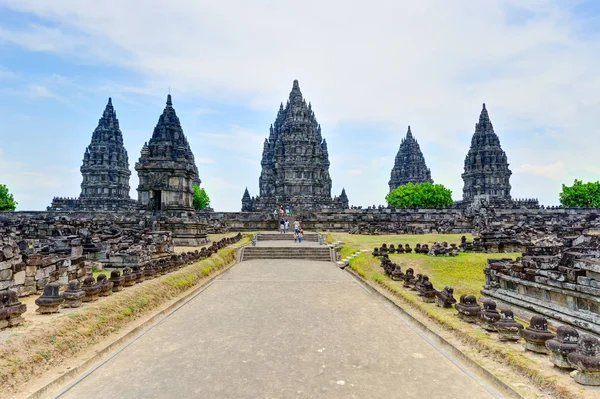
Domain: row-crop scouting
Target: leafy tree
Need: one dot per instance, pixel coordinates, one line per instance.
(201, 199)
(7, 201)
(422, 195)
(580, 195)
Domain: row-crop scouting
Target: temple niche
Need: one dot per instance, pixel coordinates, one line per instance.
(409, 166)
(295, 161)
(166, 167)
(486, 172)
(105, 170)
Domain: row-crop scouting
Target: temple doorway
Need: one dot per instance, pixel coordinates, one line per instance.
(156, 200)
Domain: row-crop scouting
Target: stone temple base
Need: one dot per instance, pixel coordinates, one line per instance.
(532, 346)
(586, 378)
(560, 361)
(186, 233)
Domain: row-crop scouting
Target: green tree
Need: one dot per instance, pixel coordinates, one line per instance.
(580, 195)
(422, 195)
(201, 199)
(7, 201)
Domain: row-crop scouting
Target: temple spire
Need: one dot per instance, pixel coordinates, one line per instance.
(486, 167)
(409, 164)
(169, 101)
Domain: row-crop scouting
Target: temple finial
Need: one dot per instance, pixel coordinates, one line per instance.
(169, 102)
(296, 84)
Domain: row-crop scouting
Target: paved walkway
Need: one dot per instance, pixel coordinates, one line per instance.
(281, 329)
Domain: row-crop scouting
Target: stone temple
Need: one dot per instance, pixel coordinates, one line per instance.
(166, 167)
(409, 166)
(486, 166)
(105, 170)
(295, 161)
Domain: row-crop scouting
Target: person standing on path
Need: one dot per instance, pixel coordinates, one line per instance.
(282, 226)
(300, 235)
(287, 225)
(281, 211)
(296, 226)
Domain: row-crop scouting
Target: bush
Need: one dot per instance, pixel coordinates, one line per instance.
(7, 201)
(580, 195)
(201, 199)
(421, 195)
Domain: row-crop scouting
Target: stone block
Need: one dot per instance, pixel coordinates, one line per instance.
(5, 265)
(19, 278)
(582, 280)
(595, 283)
(6, 274)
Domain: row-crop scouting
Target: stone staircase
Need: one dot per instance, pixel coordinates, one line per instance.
(322, 253)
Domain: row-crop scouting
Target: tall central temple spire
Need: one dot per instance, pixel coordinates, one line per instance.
(295, 160)
(409, 166)
(486, 166)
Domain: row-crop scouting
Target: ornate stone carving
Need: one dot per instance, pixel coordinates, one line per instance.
(486, 166)
(167, 167)
(409, 166)
(295, 161)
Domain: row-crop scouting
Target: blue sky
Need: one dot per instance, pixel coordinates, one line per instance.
(369, 71)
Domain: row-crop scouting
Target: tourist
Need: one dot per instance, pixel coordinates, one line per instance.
(300, 233)
(282, 226)
(281, 211)
(296, 227)
(287, 225)
(287, 210)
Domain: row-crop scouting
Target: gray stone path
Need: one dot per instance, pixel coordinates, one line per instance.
(279, 329)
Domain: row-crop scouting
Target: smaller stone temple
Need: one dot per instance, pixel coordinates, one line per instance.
(166, 167)
(295, 161)
(105, 170)
(409, 166)
(486, 172)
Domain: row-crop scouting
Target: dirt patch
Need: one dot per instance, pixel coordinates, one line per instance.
(44, 343)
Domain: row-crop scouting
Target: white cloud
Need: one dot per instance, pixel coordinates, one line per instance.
(555, 171)
(355, 172)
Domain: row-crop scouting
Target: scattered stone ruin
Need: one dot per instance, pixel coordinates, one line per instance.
(556, 277)
(40, 249)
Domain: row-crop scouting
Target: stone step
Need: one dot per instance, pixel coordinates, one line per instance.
(309, 253)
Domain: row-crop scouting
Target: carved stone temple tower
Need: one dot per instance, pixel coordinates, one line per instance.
(486, 166)
(166, 167)
(295, 161)
(105, 170)
(409, 166)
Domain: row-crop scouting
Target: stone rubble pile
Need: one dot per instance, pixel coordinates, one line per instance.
(38, 250)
